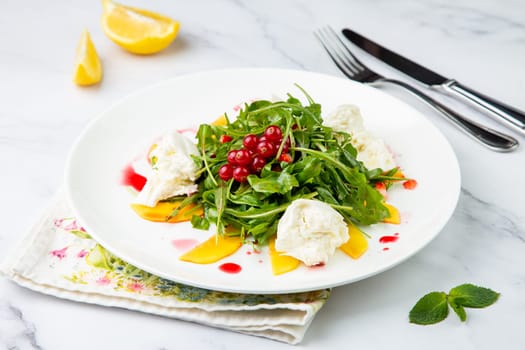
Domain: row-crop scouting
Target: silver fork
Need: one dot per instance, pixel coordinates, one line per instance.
(356, 70)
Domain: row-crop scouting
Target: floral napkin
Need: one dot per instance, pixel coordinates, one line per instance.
(59, 258)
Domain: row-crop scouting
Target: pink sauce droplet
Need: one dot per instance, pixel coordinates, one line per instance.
(184, 243)
(131, 178)
(317, 266)
(188, 131)
(389, 239)
(230, 268)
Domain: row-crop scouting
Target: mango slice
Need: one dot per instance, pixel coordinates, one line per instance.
(399, 174)
(357, 245)
(162, 210)
(394, 217)
(281, 263)
(221, 121)
(214, 249)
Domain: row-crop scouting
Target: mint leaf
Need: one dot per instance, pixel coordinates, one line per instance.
(458, 309)
(469, 295)
(433, 307)
(430, 309)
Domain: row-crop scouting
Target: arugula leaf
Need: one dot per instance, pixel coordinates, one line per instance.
(274, 183)
(200, 222)
(220, 204)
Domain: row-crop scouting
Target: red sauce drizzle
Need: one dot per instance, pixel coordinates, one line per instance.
(386, 248)
(230, 268)
(410, 184)
(389, 239)
(131, 178)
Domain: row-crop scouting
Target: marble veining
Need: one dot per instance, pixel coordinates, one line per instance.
(460, 21)
(481, 43)
(16, 331)
(502, 222)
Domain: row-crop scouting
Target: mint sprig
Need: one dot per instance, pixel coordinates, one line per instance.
(433, 307)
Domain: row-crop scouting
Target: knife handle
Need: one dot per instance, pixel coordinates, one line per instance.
(496, 109)
(490, 138)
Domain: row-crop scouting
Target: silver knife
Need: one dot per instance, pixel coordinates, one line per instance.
(496, 109)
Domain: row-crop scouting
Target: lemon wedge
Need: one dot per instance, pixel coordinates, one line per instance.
(88, 69)
(137, 30)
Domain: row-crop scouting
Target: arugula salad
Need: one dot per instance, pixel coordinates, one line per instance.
(254, 167)
(275, 174)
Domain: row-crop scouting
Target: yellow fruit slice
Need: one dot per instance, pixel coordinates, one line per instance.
(281, 263)
(394, 217)
(221, 121)
(162, 210)
(137, 30)
(88, 69)
(357, 245)
(214, 249)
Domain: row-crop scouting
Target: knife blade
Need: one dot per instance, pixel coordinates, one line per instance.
(498, 110)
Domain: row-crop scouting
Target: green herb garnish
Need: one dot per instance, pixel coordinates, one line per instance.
(433, 307)
(312, 161)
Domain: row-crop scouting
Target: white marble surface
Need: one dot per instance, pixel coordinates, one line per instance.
(479, 42)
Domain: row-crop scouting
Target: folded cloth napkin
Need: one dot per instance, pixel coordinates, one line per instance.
(59, 258)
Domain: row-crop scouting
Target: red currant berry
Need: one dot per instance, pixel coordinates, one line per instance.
(266, 149)
(240, 173)
(226, 172)
(243, 157)
(225, 138)
(250, 141)
(232, 157)
(273, 133)
(258, 164)
(285, 157)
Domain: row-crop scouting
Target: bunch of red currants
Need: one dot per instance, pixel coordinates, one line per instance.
(255, 154)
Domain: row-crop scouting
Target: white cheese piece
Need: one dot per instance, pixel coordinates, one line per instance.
(345, 118)
(173, 171)
(310, 231)
(372, 151)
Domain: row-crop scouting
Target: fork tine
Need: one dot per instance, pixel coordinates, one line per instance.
(350, 56)
(334, 55)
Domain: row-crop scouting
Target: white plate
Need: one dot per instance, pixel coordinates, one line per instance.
(127, 128)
